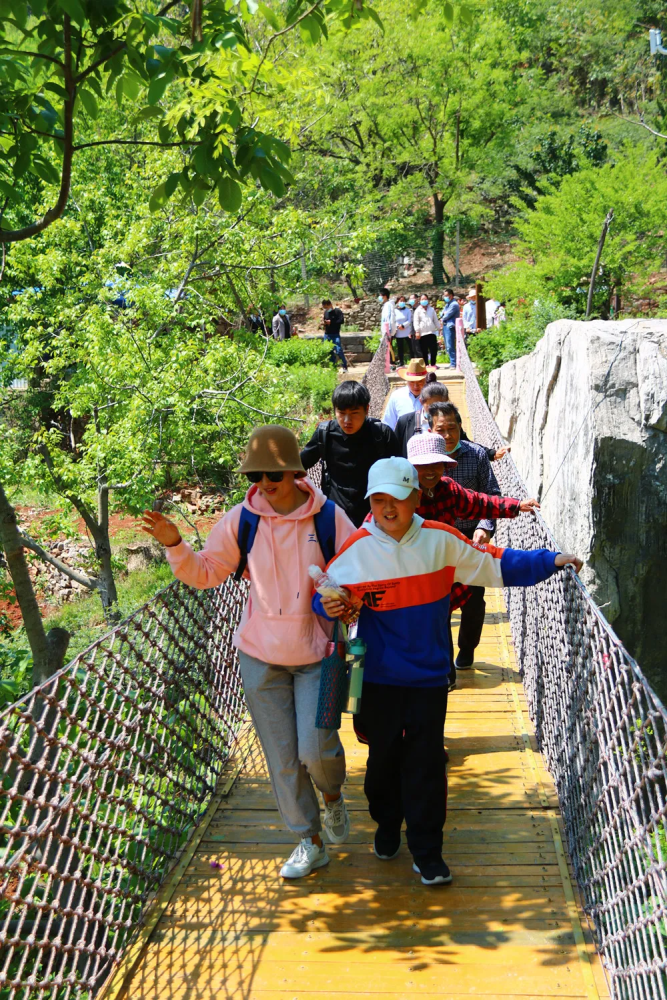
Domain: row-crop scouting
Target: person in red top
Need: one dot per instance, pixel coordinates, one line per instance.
(443, 499)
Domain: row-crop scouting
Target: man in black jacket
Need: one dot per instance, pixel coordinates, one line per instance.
(347, 447)
(333, 320)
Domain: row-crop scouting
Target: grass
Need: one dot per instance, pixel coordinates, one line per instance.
(84, 619)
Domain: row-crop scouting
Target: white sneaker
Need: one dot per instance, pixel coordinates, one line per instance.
(336, 821)
(305, 857)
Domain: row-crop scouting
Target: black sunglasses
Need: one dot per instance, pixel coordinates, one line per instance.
(273, 477)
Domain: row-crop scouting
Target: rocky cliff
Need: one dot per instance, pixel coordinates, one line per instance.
(586, 415)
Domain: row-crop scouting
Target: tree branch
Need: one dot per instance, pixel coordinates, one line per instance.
(76, 501)
(30, 543)
(14, 235)
(278, 34)
(641, 124)
(135, 142)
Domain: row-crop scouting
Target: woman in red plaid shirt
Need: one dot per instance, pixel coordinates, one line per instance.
(445, 500)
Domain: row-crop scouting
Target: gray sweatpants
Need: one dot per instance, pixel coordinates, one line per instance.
(283, 703)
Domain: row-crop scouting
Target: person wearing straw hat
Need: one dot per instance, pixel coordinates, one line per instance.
(282, 528)
(407, 399)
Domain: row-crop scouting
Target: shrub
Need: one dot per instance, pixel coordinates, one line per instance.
(513, 339)
(299, 352)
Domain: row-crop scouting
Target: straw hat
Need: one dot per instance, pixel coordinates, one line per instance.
(272, 448)
(415, 371)
(472, 293)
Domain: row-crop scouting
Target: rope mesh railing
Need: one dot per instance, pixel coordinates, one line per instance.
(109, 766)
(603, 733)
(106, 769)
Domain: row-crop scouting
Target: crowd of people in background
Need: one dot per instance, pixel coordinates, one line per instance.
(413, 323)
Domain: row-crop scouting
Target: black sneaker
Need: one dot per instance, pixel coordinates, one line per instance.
(433, 872)
(386, 844)
(451, 684)
(464, 661)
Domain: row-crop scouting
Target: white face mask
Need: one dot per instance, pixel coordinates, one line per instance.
(424, 302)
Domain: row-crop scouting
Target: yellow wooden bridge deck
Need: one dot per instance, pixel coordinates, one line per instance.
(509, 926)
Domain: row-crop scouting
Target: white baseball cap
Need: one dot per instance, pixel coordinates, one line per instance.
(395, 476)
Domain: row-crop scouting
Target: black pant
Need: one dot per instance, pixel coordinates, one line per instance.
(472, 621)
(401, 343)
(405, 774)
(428, 345)
(414, 349)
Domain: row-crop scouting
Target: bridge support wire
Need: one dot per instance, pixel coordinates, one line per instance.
(603, 733)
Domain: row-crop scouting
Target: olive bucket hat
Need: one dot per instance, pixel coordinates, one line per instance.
(272, 448)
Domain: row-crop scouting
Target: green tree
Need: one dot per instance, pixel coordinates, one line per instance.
(59, 58)
(558, 241)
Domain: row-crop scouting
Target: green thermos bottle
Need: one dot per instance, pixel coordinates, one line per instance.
(356, 651)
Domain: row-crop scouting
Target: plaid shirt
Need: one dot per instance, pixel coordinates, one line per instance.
(474, 472)
(451, 503)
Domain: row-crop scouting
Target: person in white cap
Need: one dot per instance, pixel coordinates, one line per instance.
(399, 569)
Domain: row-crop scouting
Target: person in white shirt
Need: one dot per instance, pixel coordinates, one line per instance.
(427, 328)
(404, 328)
(406, 399)
(470, 312)
(491, 306)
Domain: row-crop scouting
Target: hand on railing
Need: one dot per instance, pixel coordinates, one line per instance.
(567, 559)
(161, 528)
(528, 506)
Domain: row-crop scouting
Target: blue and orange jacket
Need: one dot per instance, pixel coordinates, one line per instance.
(405, 587)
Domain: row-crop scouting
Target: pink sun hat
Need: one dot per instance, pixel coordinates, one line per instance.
(427, 449)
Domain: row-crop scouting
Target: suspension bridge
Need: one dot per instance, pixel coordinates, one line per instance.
(140, 842)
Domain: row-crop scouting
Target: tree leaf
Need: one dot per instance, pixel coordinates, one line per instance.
(89, 103)
(269, 16)
(158, 198)
(45, 170)
(374, 16)
(466, 14)
(448, 11)
(74, 9)
(199, 194)
(271, 179)
(229, 194)
(158, 86)
(150, 111)
(171, 183)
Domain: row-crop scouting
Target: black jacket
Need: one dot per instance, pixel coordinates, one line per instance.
(346, 459)
(405, 428)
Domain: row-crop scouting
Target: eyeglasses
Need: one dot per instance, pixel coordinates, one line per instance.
(273, 477)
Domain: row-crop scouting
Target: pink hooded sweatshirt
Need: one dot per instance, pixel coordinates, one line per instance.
(278, 623)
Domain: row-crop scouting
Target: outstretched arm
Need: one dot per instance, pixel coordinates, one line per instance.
(208, 568)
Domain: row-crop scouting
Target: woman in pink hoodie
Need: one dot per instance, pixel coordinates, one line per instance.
(280, 640)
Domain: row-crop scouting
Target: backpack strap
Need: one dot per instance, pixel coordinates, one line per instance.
(247, 530)
(325, 529)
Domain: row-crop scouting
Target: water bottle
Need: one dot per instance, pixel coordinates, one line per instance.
(356, 651)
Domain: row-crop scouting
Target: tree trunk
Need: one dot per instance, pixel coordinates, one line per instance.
(603, 236)
(438, 243)
(48, 650)
(107, 583)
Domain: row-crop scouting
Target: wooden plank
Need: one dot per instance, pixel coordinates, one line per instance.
(342, 975)
(360, 927)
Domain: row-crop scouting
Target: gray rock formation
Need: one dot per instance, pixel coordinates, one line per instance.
(586, 415)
